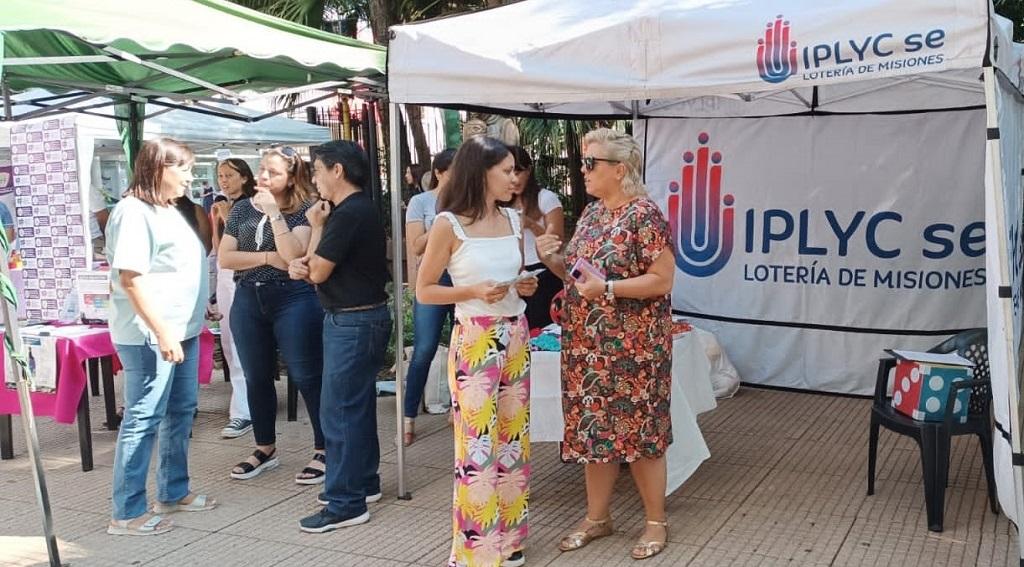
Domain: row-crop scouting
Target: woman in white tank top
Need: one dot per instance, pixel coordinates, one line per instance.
(480, 244)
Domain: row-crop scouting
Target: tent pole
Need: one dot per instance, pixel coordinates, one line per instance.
(395, 180)
(994, 183)
(28, 418)
(8, 109)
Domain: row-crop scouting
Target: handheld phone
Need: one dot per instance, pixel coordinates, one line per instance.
(584, 268)
(521, 277)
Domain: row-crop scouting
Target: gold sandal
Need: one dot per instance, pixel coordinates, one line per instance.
(596, 529)
(647, 549)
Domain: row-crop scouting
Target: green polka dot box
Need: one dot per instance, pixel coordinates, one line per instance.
(922, 381)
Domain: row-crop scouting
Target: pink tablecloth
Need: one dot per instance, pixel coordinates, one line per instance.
(72, 352)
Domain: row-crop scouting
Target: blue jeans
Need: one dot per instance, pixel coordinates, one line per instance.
(283, 315)
(354, 345)
(428, 320)
(159, 399)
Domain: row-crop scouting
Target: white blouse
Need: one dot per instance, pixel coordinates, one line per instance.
(479, 259)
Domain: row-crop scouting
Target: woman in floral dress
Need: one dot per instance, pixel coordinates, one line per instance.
(616, 340)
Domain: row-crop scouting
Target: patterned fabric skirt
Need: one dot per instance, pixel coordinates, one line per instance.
(489, 377)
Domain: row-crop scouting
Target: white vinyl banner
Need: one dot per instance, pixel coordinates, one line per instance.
(1006, 367)
(553, 51)
(812, 243)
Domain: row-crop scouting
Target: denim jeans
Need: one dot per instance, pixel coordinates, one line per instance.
(283, 315)
(427, 320)
(159, 400)
(354, 347)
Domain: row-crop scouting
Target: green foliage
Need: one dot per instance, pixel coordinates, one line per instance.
(407, 326)
(306, 12)
(389, 358)
(548, 141)
(312, 12)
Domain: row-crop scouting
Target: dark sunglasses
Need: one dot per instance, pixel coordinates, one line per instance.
(589, 163)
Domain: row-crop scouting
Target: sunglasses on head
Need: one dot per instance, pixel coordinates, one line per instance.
(287, 151)
(589, 162)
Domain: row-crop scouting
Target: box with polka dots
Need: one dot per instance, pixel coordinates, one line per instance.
(921, 390)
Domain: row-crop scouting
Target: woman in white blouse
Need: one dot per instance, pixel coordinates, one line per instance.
(541, 212)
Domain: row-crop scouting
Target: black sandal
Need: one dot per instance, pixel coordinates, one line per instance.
(267, 462)
(309, 475)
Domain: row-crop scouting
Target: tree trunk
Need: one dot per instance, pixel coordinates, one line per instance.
(575, 159)
(381, 18)
(419, 137)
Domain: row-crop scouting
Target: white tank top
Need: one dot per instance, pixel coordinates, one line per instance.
(487, 258)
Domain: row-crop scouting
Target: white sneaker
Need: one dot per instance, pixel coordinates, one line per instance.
(517, 559)
(321, 498)
(236, 427)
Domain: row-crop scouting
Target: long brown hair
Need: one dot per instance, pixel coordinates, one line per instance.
(148, 175)
(466, 192)
(300, 185)
(531, 190)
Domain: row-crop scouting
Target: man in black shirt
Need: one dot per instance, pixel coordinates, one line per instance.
(348, 263)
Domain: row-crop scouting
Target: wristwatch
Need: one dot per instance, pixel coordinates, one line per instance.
(277, 217)
(609, 290)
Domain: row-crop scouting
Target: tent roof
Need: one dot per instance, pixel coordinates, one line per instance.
(697, 57)
(174, 50)
(191, 128)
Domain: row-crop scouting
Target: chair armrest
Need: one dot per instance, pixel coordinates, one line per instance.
(954, 389)
(884, 366)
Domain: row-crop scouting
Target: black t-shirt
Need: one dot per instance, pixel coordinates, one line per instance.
(354, 240)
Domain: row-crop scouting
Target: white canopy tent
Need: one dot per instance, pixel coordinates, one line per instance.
(686, 64)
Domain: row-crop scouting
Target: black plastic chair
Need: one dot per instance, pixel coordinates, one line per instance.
(934, 437)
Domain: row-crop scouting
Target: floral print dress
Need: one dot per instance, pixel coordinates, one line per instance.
(617, 355)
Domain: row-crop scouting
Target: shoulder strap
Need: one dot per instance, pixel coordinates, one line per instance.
(513, 219)
(461, 234)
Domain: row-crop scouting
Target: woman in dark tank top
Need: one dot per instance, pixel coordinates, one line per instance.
(196, 217)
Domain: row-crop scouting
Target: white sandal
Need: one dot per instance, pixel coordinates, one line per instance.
(155, 525)
(199, 503)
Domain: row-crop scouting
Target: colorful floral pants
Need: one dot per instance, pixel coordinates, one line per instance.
(489, 377)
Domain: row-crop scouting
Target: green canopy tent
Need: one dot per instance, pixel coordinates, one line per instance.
(171, 54)
(114, 58)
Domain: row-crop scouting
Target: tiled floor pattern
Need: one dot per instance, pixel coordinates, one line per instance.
(785, 485)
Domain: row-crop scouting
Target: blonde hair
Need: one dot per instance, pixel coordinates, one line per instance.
(300, 188)
(624, 149)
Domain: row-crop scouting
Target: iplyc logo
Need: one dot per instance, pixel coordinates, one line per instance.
(776, 54)
(700, 218)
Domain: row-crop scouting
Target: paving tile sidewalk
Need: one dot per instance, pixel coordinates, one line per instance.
(785, 485)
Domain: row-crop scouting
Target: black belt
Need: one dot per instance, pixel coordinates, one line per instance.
(357, 308)
(250, 283)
